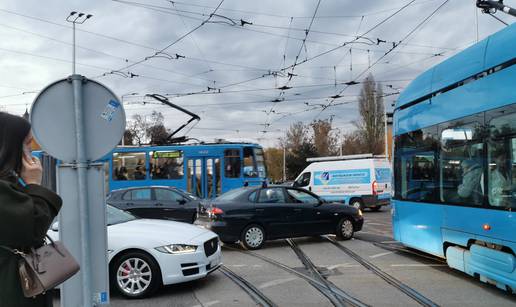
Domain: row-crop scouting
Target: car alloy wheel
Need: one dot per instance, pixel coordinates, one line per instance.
(253, 237)
(135, 275)
(345, 229)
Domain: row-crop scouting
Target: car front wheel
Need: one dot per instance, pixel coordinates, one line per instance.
(135, 275)
(345, 229)
(253, 237)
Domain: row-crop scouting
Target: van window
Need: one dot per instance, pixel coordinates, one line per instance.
(303, 180)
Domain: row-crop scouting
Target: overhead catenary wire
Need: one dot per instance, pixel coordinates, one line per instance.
(388, 52)
(174, 42)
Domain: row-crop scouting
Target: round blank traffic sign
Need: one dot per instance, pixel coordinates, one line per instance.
(53, 120)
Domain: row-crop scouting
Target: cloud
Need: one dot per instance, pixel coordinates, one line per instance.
(221, 55)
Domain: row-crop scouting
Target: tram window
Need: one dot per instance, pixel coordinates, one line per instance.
(166, 164)
(249, 163)
(232, 163)
(461, 161)
(415, 165)
(501, 188)
(129, 166)
(418, 176)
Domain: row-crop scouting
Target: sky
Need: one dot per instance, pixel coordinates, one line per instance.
(249, 69)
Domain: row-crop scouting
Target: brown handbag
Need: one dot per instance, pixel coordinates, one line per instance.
(44, 268)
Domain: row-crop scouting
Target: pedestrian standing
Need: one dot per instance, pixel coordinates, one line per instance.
(26, 208)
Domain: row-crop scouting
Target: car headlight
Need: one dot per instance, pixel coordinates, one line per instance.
(359, 212)
(177, 249)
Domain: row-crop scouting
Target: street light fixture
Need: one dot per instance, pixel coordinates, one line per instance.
(76, 18)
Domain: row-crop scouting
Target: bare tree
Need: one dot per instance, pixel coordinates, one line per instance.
(138, 128)
(128, 137)
(299, 146)
(324, 138)
(352, 144)
(370, 126)
(296, 135)
(156, 131)
(148, 129)
(274, 160)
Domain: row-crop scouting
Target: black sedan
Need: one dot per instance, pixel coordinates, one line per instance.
(254, 215)
(156, 202)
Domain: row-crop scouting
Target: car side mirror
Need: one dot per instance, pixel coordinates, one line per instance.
(319, 203)
(182, 201)
(55, 226)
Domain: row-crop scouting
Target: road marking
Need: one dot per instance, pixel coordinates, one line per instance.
(244, 265)
(237, 265)
(275, 282)
(416, 265)
(380, 255)
(207, 304)
(342, 265)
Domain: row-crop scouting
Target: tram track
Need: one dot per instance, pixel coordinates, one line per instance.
(415, 295)
(336, 300)
(256, 295)
(341, 294)
(390, 247)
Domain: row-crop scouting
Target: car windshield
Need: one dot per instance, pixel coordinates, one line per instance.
(117, 216)
(232, 195)
(189, 195)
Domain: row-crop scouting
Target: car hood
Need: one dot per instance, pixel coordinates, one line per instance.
(158, 230)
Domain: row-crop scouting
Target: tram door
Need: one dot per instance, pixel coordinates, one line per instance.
(204, 177)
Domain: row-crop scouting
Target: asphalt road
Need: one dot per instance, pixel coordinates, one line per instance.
(422, 274)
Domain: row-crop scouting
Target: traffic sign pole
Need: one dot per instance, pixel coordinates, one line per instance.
(82, 164)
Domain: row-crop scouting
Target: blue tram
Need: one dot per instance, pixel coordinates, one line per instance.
(455, 161)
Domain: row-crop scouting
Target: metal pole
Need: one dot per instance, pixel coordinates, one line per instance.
(73, 48)
(81, 164)
(385, 130)
(284, 167)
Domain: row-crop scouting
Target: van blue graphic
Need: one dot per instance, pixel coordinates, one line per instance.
(356, 176)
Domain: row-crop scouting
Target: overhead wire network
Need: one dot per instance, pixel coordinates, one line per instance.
(296, 91)
(386, 54)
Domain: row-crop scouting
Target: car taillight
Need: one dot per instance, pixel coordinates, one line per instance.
(215, 211)
(374, 185)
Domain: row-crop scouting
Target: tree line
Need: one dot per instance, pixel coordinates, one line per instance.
(320, 138)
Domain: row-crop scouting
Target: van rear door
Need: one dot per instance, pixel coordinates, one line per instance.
(382, 174)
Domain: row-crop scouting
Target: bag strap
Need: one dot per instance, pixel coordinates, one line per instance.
(14, 251)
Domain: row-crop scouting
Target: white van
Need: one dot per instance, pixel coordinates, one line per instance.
(363, 181)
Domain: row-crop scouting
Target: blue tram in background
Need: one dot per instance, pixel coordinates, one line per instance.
(455, 161)
(204, 170)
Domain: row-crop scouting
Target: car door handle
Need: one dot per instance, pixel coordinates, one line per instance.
(297, 210)
(260, 210)
(159, 204)
(318, 212)
(129, 204)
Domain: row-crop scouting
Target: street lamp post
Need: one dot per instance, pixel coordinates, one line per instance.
(76, 18)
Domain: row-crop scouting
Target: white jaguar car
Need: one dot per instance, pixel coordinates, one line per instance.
(145, 254)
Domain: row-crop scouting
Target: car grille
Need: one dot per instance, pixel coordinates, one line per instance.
(211, 246)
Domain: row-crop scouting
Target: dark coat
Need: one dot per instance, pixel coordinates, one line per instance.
(25, 216)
